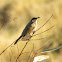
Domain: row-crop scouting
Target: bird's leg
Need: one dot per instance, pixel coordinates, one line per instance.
(29, 37)
(33, 32)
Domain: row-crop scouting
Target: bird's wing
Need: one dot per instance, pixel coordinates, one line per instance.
(28, 29)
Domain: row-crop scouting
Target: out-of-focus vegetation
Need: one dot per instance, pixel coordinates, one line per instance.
(15, 14)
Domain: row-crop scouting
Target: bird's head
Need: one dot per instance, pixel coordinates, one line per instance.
(34, 19)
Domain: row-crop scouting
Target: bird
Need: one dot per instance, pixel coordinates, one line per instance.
(30, 28)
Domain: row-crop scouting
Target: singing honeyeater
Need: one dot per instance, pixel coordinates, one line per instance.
(30, 28)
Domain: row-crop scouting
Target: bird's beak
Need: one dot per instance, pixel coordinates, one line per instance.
(38, 17)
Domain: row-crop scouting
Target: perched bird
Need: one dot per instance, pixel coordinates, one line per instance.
(30, 28)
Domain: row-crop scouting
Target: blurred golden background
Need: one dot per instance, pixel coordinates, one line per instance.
(14, 16)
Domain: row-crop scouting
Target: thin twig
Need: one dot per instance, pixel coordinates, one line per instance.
(1, 26)
(42, 47)
(30, 53)
(4, 23)
(6, 48)
(36, 52)
(10, 56)
(44, 23)
(43, 31)
(39, 39)
(22, 50)
(18, 50)
(12, 53)
(33, 55)
(0, 58)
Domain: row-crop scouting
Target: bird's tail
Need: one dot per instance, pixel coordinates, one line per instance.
(17, 40)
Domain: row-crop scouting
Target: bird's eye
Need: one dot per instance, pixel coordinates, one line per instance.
(34, 20)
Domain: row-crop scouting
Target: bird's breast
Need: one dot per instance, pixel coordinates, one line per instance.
(34, 26)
